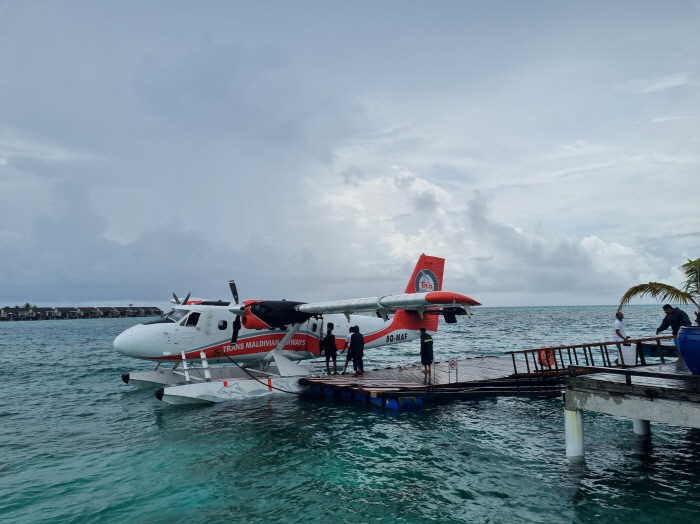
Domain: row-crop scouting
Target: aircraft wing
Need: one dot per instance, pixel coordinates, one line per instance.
(413, 301)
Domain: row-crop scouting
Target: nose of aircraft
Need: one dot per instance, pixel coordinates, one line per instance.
(124, 343)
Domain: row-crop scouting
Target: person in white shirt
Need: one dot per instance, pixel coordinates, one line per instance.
(619, 327)
(620, 334)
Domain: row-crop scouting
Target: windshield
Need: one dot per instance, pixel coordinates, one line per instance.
(177, 314)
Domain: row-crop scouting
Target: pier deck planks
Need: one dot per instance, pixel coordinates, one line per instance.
(409, 381)
(469, 370)
(675, 387)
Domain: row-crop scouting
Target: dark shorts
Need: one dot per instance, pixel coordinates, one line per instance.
(426, 358)
(332, 354)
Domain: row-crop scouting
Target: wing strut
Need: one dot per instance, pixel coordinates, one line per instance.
(278, 348)
(286, 367)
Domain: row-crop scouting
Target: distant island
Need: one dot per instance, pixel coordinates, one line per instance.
(31, 312)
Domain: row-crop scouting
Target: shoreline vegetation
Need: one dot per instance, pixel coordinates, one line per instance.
(32, 312)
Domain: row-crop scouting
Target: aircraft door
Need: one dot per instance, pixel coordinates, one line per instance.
(313, 340)
(187, 330)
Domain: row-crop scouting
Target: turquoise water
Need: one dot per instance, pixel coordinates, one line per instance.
(77, 445)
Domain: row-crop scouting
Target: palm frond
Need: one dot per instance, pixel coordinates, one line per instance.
(691, 272)
(660, 292)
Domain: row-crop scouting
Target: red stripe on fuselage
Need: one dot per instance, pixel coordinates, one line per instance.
(251, 346)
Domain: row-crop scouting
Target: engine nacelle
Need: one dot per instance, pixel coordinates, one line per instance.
(250, 321)
(267, 314)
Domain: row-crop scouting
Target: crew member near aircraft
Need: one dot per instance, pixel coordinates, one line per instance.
(357, 349)
(676, 318)
(348, 358)
(330, 349)
(426, 350)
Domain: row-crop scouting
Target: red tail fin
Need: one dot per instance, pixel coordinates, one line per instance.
(426, 277)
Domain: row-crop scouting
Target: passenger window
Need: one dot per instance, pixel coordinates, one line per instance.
(223, 324)
(192, 319)
(313, 327)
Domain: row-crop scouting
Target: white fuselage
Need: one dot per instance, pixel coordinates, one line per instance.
(198, 328)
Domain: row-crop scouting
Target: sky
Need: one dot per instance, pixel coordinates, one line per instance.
(312, 150)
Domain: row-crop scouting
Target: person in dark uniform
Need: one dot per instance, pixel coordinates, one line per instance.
(330, 349)
(357, 348)
(426, 350)
(675, 318)
(348, 358)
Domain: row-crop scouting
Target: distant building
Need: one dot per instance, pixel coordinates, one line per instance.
(65, 313)
(62, 313)
(45, 313)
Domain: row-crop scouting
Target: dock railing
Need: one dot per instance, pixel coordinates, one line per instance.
(556, 360)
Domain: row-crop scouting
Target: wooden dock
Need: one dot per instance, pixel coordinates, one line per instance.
(529, 373)
(408, 387)
(666, 393)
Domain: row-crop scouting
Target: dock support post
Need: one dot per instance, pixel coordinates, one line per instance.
(641, 427)
(573, 429)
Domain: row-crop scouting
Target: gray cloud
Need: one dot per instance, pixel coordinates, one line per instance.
(314, 151)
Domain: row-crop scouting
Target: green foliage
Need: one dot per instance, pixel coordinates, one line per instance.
(689, 294)
(691, 272)
(658, 291)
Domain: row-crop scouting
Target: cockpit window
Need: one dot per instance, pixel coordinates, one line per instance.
(192, 319)
(177, 314)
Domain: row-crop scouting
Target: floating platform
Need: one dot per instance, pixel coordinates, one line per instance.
(408, 387)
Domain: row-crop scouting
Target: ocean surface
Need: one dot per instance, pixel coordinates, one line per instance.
(79, 446)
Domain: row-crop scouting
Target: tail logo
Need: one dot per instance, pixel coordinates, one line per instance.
(426, 281)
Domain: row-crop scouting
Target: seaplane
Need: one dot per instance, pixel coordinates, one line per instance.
(214, 351)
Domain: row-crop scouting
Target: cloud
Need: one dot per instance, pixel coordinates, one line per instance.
(485, 256)
(15, 150)
(579, 148)
(659, 120)
(651, 85)
(256, 144)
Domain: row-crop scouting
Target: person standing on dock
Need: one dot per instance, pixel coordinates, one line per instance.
(357, 349)
(426, 350)
(619, 330)
(330, 349)
(348, 358)
(675, 318)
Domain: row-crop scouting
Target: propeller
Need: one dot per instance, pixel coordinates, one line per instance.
(237, 320)
(179, 302)
(264, 314)
(234, 291)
